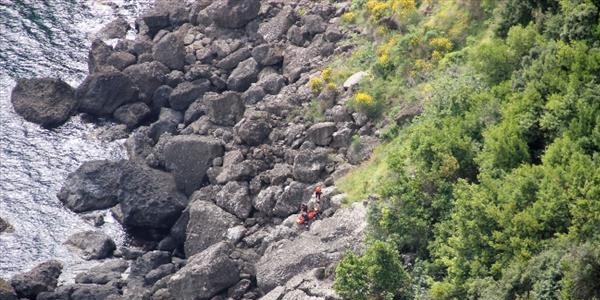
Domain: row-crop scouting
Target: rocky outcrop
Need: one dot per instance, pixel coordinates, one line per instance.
(102, 93)
(233, 13)
(205, 274)
(208, 224)
(45, 101)
(309, 165)
(42, 278)
(93, 244)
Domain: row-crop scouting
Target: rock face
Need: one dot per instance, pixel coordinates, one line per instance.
(102, 93)
(42, 278)
(45, 101)
(188, 157)
(225, 109)
(93, 244)
(326, 242)
(207, 225)
(233, 13)
(205, 274)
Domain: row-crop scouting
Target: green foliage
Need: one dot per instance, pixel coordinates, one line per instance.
(378, 274)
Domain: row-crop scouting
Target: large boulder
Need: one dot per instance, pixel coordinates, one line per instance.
(170, 51)
(93, 244)
(321, 133)
(324, 244)
(309, 165)
(132, 114)
(102, 93)
(147, 76)
(234, 198)
(233, 60)
(94, 185)
(98, 55)
(102, 274)
(81, 292)
(224, 109)
(121, 60)
(6, 291)
(243, 75)
(276, 27)
(233, 13)
(206, 274)
(297, 60)
(254, 129)
(188, 157)
(267, 55)
(45, 101)
(42, 278)
(187, 92)
(243, 171)
(290, 199)
(207, 225)
(266, 199)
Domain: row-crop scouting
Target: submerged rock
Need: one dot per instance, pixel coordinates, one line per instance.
(45, 101)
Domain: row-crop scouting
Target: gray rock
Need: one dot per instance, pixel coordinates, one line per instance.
(101, 93)
(297, 36)
(333, 34)
(321, 133)
(5, 226)
(170, 51)
(97, 56)
(293, 195)
(235, 199)
(163, 270)
(277, 26)
(147, 77)
(93, 244)
(255, 129)
(116, 29)
(42, 278)
(196, 110)
(361, 150)
(94, 185)
(266, 199)
(243, 171)
(177, 11)
(267, 55)
(341, 138)
(6, 291)
(239, 289)
(104, 273)
(205, 274)
(296, 61)
(253, 95)
(309, 166)
(279, 174)
(208, 224)
(224, 109)
(243, 75)
(355, 79)
(314, 24)
(232, 60)
(272, 83)
(160, 98)
(233, 13)
(148, 262)
(275, 294)
(340, 114)
(121, 60)
(45, 101)
(188, 158)
(167, 123)
(81, 292)
(132, 114)
(187, 92)
(153, 21)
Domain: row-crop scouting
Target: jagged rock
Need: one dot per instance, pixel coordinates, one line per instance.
(339, 114)
(97, 56)
(5, 226)
(361, 150)
(160, 98)
(94, 185)
(276, 27)
(313, 24)
(177, 11)
(272, 83)
(104, 273)
(266, 199)
(309, 165)
(333, 34)
(187, 92)
(208, 224)
(42, 278)
(198, 71)
(168, 120)
(170, 51)
(196, 110)
(267, 55)
(296, 61)
(152, 22)
(224, 109)
(102, 93)
(235, 234)
(132, 114)
(121, 60)
(115, 29)
(188, 157)
(234, 199)
(6, 291)
(147, 77)
(161, 271)
(232, 60)
(148, 262)
(326, 242)
(81, 292)
(243, 171)
(297, 36)
(243, 75)
(279, 174)
(45, 101)
(254, 129)
(205, 274)
(237, 291)
(321, 133)
(275, 294)
(253, 95)
(93, 244)
(233, 13)
(341, 138)
(291, 198)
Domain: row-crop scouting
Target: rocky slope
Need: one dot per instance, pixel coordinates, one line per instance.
(215, 95)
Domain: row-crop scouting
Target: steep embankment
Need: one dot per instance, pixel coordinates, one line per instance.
(227, 142)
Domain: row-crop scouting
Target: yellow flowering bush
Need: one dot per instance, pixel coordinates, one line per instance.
(349, 17)
(316, 84)
(364, 99)
(441, 44)
(378, 9)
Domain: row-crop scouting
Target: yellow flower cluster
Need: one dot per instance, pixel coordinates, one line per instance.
(378, 9)
(316, 84)
(441, 43)
(363, 99)
(349, 17)
(385, 50)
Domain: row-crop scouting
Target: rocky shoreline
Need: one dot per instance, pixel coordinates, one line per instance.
(213, 97)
